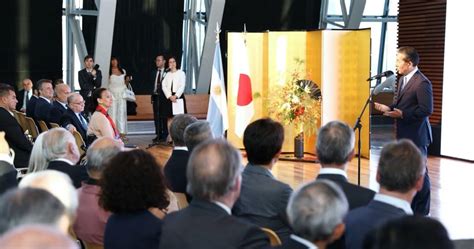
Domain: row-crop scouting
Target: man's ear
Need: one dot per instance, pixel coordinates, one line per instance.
(351, 155)
(419, 183)
(337, 232)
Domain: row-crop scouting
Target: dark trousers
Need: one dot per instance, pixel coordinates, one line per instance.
(161, 125)
(421, 202)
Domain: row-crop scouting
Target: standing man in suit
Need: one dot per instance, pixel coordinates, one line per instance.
(13, 133)
(44, 103)
(61, 92)
(24, 95)
(411, 110)
(90, 78)
(73, 119)
(175, 167)
(317, 226)
(61, 152)
(214, 181)
(263, 199)
(400, 175)
(158, 97)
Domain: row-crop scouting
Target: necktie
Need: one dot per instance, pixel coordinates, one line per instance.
(83, 122)
(158, 81)
(404, 83)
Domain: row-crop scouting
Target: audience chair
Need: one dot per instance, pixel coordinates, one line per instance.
(80, 143)
(54, 125)
(88, 245)
(33, 130)
(42, 125)
(182, 202)
(274, 239)
(22, 120)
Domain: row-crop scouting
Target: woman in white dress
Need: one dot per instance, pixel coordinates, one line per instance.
(117, 86)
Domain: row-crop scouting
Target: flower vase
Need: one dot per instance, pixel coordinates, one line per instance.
(299, 146)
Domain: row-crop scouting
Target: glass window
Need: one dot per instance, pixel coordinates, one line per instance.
(390, 50)
(393, 8)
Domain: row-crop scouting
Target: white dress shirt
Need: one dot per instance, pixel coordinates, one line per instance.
(396, 202)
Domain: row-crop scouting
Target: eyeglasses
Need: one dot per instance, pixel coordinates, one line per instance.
(79, 103)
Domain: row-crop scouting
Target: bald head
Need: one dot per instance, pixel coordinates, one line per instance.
(100, 152)
(36, 237)
(61, 92)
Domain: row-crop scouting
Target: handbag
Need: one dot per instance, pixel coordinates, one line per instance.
(128, 94)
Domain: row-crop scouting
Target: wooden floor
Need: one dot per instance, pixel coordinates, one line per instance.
(451, 181)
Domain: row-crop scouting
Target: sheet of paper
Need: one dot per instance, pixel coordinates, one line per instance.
(178, 107)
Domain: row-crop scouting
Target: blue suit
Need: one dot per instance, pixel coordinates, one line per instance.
(43, 110)
(416, 103)
(361, 221)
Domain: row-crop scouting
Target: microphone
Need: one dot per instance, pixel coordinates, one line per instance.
(389, 82)
(380, 75)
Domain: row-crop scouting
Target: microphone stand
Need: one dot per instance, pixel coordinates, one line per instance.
(358, 126)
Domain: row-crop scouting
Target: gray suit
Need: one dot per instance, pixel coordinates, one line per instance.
(263, 200)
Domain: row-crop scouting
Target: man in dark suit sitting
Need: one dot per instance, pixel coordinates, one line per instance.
(61, 151)
(24, 95)
(61, 92)
(73, 118)
(263, 199)
(8, 172)
(214, 182)
(316, 212)
(44, 102)
(400, 175)
(13, 133)
(175, 168)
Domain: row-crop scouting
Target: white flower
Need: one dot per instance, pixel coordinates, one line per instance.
(295, 99)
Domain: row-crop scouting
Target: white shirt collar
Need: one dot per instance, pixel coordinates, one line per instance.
(6, 158)
(223, 206)
(409, 75)
(49, 101)
(397, 202)
(304, 241)
(181, 148)
(333, 171)
(64, 160)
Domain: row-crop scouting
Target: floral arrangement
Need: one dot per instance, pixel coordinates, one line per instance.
(297, 102)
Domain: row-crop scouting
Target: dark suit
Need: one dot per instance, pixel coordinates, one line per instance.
(175, 171)
(292, 244)
(158, 97)
(88, 84)
(204, 224)
(43, 110)
(77, 173)
(416, 103)
(263, 200)
(20, 96)
(7, 176)
(15, 138)
(30, 108)
(56, 112)
(361, 221)
(69, 117)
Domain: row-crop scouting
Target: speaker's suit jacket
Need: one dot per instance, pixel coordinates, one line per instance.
(16, 138)
(69, 117)
(56, 112)
(416, 103)
(204, 224)
(77, 173)
(263, 200)
(361, 221)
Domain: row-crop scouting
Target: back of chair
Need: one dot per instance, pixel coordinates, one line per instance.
(42, 125)
(274, 239)
(33, 130)
(182, 201)
(21, 119)
(54, 125)
(80, 142)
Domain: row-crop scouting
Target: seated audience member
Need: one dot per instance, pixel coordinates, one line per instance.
(263, 199)
(214, 180)
(36, 237)
(400, 175)
(101, 124)
(196, 133)
(335, 149)
(61, 93)
(56, 183)
(133, 189)
(37, 161)
(8, 172)
(13, 132)
(61, 152)
(73, 119)
(91, 218)
(316, 212)
(31, 106)
(31, 206)
(404, 233)
(44, 102)
(24, 95)
(175, 168)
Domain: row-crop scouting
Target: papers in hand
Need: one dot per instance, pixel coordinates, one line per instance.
(178, 107)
